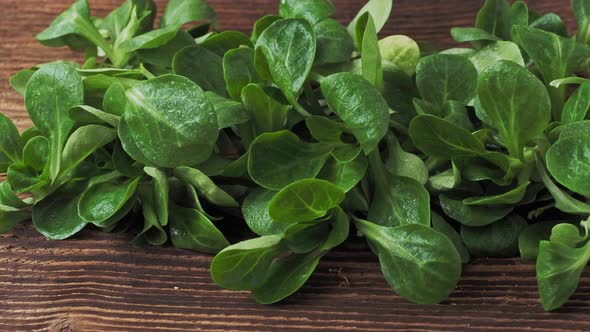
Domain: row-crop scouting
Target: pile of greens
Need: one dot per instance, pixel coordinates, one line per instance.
(177, 133)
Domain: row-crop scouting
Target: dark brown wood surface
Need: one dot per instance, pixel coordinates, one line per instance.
(99, 282)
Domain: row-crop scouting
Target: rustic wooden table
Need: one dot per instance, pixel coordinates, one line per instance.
(98, 281)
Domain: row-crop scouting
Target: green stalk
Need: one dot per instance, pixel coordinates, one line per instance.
(91, 33)
(584, 34)
(557, 96)
(300, 109)
(316, 109)
(378, 172)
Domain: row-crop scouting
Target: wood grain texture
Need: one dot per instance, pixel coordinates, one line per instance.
(99, 282)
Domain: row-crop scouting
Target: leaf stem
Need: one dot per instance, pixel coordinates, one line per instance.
(92, 34)
(311, 98)
(316, 77)
(300, 109)
(377, 170)
(557, 100)
(584, 34)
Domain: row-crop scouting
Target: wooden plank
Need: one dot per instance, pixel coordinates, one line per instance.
(99, 282)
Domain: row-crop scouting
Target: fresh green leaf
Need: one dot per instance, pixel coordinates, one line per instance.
(73, 28)
(581, 11)
(399, 201)
(520, 13)
(551, 23)
(207, 72)
(115, 99)
(463, 35)
(445, 180)
(25, 179)
(334, 44)
(419, 277)
(577, 106)
(379, 11)
(498, 51)
(461, 51)
(368, 45)
(436, 79)
(472, 215)
(324, 129)
(580, 128)
(498, 239)
(9, 198)
(161, 193)
(262, 24)
(401, 50)
(305, 237)
(229, 112)
(132, 17)
(279, 159)
(19, 80)
(36, 153)
(244, 266)
(11, 144)
(128, 143)
(267, 114)
(305, 200)
(56, 216)
(289, 48)
(9, 219)
(567, 234)
(516, 102)
(191, 229)
(84, 141)
(51, 92)
(573, 80)
(124, 164)
(510, 197)
(205, 186)
(106, 203)
(439, 224)
(563, 201)
(256, 214)
(559, 268)
(314, 11)
(180, 12)
(359, 105)
(495, 17)
(340, 230)
(85, 114)
(346, 153)
(495, 166)
(568, 160)
(285, 276)
(401, 91)
(239, 71)
(530, 238)
(441, 139)
(457, 114)
(151, 40)
(345, 175)
(554, 56)
(171, 121)
(163, 55)
(221, 43)
(152, 232)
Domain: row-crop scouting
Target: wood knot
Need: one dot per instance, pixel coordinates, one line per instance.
(64, 324)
